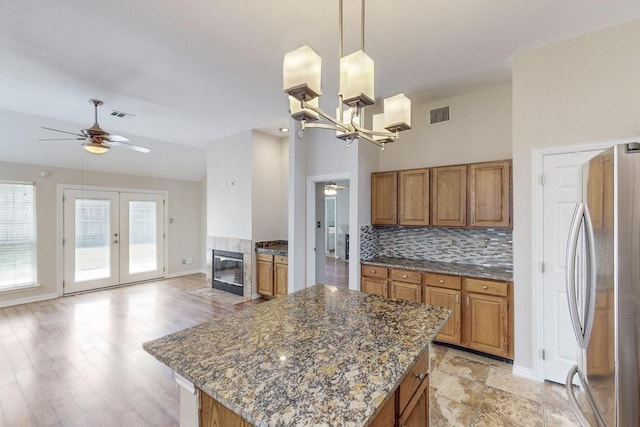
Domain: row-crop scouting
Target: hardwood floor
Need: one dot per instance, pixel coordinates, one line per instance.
(79, 360)
(336, 272)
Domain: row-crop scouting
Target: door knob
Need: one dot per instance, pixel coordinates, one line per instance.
(115, 241)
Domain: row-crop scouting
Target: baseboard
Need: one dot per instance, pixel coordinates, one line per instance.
(527, 373)
(27, 300)
(184, 273)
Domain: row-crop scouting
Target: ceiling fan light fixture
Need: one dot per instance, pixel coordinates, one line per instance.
(96, 147)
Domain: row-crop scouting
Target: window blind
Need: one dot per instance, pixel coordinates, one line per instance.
(17, 235)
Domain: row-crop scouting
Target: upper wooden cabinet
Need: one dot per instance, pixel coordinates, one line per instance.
(414, 197)
(489, 194)
(384, 198)
(449, 196)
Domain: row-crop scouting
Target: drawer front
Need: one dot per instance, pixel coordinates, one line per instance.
(407, 276)
(412, 381)
(488, 287)
(264, 257)
(280, 259)
(443, 281)
(374, 271)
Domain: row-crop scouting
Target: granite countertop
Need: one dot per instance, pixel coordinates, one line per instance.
(457, 269)
(320, 356)
(273, 247)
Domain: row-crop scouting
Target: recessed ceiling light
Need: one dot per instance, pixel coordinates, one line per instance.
(284, 129)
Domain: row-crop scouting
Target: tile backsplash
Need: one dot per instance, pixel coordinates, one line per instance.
(486, 247)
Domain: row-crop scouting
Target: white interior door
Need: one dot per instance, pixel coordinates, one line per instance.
(142, 237)
(111, 238)
(91, 240)
(561, 191)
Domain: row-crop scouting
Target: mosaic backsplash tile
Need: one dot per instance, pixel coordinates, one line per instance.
(486, 247)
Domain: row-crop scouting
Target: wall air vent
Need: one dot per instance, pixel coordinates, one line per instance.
(121, 114)
(439, 115)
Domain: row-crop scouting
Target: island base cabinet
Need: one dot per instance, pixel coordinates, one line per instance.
(213, 414)
(419, 415)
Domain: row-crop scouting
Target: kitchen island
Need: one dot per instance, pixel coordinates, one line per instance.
(320, 356)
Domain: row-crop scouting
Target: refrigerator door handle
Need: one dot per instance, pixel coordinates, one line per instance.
(573, 402)
(570, 279)
(590, 292)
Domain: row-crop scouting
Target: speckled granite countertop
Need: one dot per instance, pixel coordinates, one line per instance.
(320, 356)
(273, 247)
(456, 269)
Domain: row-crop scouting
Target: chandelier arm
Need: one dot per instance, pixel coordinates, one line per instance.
(328, 117)
(391, 135)
(324, 126)
(371, 140)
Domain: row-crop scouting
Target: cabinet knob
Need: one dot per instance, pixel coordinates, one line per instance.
(373, 272)
(441, 280)
(404, 276)
(485, 287)
(420, 377)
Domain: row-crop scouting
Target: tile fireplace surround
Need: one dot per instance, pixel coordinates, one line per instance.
(232, 244)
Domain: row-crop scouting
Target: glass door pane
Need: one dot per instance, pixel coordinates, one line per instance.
(92, 243)
(143, 238)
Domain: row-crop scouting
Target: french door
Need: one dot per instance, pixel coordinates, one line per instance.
(111, 238)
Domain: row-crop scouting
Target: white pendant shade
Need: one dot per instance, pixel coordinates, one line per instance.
(356, 79)
(397, 113)
(299, 113)
(301, 73)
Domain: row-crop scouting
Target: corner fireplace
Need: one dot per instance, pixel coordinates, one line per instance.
(228, 272)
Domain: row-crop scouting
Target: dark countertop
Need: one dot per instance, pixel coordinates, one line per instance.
(456, 269)
(320, 356)
(273, 247)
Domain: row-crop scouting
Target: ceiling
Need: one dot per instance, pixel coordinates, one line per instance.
(198, 70)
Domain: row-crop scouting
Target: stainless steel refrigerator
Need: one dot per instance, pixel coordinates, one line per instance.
(603, 288)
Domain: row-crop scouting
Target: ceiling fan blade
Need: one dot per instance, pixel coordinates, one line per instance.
(116, 138)
(129, 146)
(62, 139)
(61, 131)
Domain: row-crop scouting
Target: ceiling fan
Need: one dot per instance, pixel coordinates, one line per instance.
(331, 188)
(96, 140)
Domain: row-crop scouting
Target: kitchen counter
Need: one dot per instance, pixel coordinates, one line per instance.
(456, 269)
(320, 356)
(273, 247)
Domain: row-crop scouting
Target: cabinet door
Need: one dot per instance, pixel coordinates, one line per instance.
(414, 197)
(486, 324)
(384, 198)
(489, 194)
(265, 278)
(408, 291)
(281, 276)
(374, 286)
(419, 415)
(449, 196)
(447, 298)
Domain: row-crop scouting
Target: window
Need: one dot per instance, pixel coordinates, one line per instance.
(17, 235)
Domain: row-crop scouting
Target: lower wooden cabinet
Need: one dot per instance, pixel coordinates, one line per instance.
(407, 291)
(447, 298)
(272, 275)
(418, 416)
(487, 318)
(374, 286)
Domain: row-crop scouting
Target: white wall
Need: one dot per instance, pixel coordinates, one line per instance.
(185, 207)
(269, 202)
(229, 186)
(580, 90)
(479, 130)
(342, 218)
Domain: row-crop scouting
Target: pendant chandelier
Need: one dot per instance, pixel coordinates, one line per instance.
(302, 77)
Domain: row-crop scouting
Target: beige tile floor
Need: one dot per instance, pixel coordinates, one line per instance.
(471, 390)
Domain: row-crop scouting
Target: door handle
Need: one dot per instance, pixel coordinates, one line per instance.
(573, 402)
(570, 279)
(591, 277)
(457, 298)
(115, 241)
